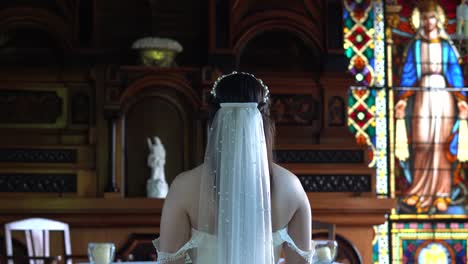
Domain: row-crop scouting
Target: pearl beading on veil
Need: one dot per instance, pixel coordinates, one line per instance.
(265, 88)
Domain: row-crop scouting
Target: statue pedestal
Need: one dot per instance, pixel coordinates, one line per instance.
(156, 188)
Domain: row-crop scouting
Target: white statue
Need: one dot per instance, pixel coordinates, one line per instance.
(156, 186)
(462, 19)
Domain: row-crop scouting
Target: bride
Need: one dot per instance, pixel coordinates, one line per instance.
(238, 206)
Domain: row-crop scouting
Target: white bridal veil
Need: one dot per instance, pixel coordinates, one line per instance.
(235, 189)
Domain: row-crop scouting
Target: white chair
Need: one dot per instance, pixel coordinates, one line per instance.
(36, 231)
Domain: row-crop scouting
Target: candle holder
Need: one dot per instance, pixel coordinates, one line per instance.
(101, 253)
(156, 51)
(325, 251)
(159, 52)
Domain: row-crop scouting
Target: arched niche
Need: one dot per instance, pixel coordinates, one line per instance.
(289, 62)
(39, 20)
(30, 48)
(279, 50)
(162, 107)
(34, 42)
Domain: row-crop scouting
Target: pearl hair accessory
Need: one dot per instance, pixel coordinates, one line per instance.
(265, 88)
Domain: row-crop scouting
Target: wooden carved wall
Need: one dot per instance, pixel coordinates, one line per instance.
(292, 48)
(76, 107)
(46, 101)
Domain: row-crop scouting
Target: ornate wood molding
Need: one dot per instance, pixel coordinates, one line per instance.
(356, 211)
(87, 213)
(38, 182)
(336, 111)
(356, 183)
(142, 212)
(33, 108)
(38, 18)
(179, 87)
(24, 155)
(257, 23)
(320, 156)
(168, 79)
(235, 23)
(354, 217)
(125, 82)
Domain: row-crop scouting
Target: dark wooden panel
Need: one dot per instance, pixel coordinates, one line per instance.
(31, 107)
(297, 110)
(120, 23)
(38, 182)
(296, 6)
(222, 24)
(60, 8)
(320, 156)
(334, 25)
(336, 111)
(38, 155)
(355, 183)
(80, 108)
(138, 247)
(281, 51)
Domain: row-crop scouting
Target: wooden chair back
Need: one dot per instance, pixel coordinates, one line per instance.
(36, 231)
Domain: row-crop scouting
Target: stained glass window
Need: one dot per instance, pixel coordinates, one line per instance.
(418, 70)
(429, 168)
(367, 101)
(429, 242)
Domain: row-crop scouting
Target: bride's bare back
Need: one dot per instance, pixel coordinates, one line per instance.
(289, 207)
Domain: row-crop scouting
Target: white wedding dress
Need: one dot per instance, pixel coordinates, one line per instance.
(206, 243)
(234, 210)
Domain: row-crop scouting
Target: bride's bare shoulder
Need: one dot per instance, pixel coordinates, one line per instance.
(286, 179)
(288, 196)
(186, 179)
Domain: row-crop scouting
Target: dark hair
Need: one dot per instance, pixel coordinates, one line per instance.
(244, 88)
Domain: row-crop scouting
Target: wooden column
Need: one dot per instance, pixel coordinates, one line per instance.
(112, 189)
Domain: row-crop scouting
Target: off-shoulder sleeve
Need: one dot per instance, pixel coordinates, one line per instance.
(166, 257)
(307, 255)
